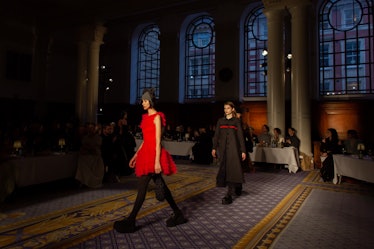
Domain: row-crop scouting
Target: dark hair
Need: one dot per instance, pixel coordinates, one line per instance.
(267, 127)
(334, 135)
(278, 130)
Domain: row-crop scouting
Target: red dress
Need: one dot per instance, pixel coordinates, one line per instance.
(145, 160)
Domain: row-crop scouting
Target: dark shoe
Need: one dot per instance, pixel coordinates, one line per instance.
(159, 190)
(238, 191)
(125, 226)
(227, 200)
(176, 219)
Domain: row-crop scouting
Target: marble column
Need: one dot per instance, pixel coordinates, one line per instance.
(300, 85)
(276, 69)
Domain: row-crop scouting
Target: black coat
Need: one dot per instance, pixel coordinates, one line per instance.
(228, 141)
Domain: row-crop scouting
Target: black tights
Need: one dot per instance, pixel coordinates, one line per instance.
(142, 191)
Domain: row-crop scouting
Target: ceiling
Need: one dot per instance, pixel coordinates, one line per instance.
(67, 12)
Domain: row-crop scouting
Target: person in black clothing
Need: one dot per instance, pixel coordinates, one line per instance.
(108, 153)
(229, 147)
(125, 146)
(292, 139)
(203, 148)
(330, 145)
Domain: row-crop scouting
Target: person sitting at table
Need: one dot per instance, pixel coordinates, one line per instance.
(330, 145)
(277, 139)
(350, 144)
(265, 137)
(169, 134)
(90, 169)
(203, 148)
(292, 140)
(108, 153)
(250, 140)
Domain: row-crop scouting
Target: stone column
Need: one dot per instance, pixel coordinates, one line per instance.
(300, 85)
(93, 81)
(276, 70)
(88, 65)
(80, 99)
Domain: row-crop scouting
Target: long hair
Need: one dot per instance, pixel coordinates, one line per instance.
(230, 103)
(334, 135)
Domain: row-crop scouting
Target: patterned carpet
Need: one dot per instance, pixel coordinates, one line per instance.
(267, 211)
(39, 218)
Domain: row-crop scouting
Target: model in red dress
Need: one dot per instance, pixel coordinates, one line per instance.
(145, 162)
(150, 162)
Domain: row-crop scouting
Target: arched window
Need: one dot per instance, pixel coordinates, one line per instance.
(148, 63)
(200, 59)
(346, 47)
(255, 64)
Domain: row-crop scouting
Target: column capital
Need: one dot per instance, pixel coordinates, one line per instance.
(270, 4)
(274, 14)
(91, 33)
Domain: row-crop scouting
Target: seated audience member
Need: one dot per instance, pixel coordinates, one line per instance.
(330, 145)
(265, 137)
(350, 144)
(90, 170)
(108, 153)
(188, 135)
(124, 149)
(278, 139)
(253, 135)
(169, 134)
(292, 139)
(249, 139)
(203, 148)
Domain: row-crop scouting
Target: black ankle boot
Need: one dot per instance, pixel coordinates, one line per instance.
(227, 200)
(125, 226)
(175, 219)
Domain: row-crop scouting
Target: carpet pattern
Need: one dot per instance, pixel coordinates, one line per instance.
(211, 224)
(80, 213)
(271, 204)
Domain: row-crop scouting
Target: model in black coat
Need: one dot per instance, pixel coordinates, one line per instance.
(229, 148)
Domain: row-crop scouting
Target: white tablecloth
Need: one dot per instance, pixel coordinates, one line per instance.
(41, 169)
(173, 147)
(286, 155)
(352, 166)
(26, 171)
